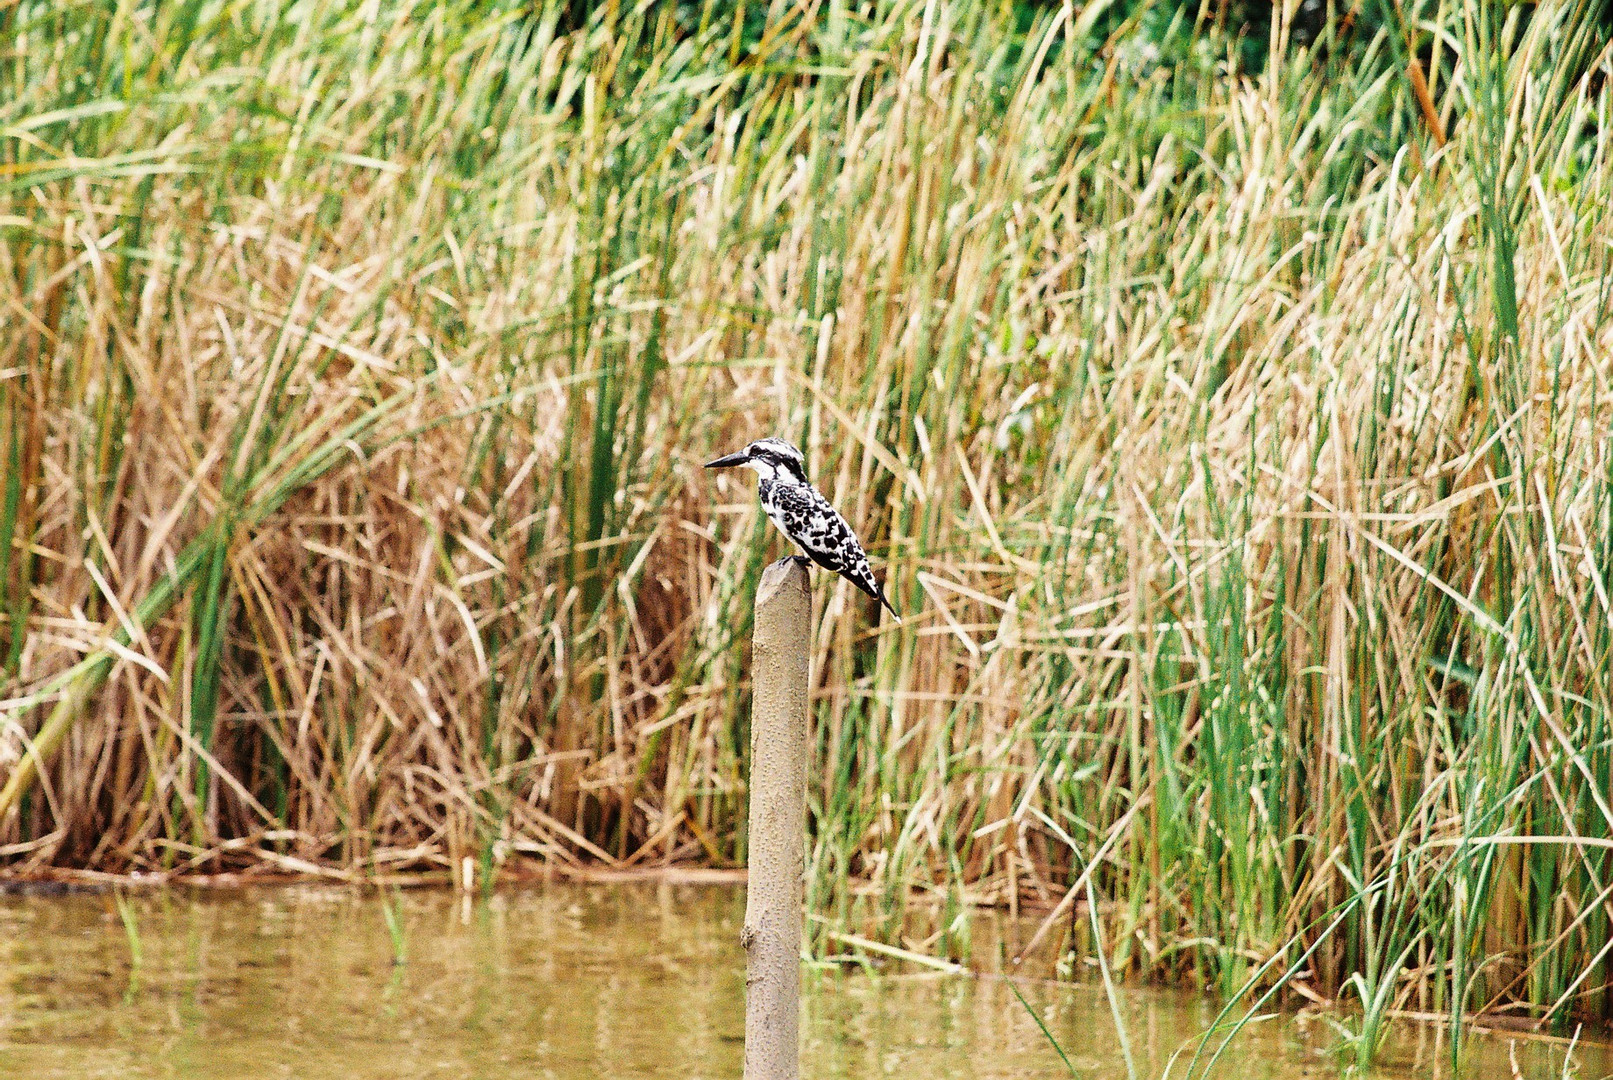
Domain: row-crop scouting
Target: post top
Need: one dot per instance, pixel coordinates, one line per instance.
(784, 574)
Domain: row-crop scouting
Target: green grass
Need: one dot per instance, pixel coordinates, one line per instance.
(1236, 445)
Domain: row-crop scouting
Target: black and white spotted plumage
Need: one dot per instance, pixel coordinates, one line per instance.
(804, 515)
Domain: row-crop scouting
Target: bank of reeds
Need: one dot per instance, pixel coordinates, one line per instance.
(1238, 447)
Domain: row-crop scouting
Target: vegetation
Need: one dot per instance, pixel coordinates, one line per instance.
(1234, 435)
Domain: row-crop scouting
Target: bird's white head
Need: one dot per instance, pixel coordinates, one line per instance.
(773, 459)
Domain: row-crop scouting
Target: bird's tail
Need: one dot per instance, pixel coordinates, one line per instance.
(879, 592)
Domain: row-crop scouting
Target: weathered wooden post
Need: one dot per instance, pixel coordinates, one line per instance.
(778, 755)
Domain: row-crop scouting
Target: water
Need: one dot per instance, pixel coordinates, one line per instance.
(564, 982)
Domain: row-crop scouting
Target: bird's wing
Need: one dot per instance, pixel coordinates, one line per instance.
(817, 528)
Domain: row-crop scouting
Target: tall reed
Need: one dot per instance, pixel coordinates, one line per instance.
(1238, 444)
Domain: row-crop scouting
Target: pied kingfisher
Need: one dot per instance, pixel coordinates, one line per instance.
(804, 515)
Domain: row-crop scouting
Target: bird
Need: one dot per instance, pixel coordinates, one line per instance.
(804, 515)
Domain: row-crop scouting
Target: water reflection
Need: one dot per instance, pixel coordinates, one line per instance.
(564, 982)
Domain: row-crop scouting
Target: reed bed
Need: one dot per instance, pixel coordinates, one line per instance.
(1236, 444)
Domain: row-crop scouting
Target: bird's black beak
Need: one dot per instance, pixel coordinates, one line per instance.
(729, 462)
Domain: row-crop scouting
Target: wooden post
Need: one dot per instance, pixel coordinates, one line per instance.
(778, 766)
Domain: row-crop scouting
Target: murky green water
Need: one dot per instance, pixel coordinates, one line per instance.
(564, 981)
